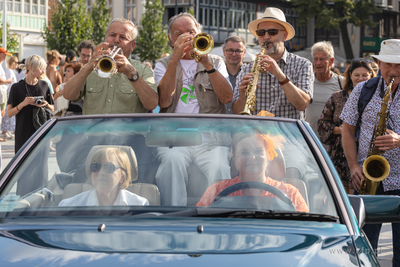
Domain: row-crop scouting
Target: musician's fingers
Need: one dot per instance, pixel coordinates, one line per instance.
(101, 46)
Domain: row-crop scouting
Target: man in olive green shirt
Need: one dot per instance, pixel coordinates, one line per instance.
(132, 90)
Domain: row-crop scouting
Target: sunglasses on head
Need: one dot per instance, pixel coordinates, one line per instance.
(108, 167)
(362, 59)
(271, 32)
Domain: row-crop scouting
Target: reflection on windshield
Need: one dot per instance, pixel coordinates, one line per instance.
(166, 162)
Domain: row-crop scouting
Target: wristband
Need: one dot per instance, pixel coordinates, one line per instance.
(17, 108)
(285, 81)
(210, 71)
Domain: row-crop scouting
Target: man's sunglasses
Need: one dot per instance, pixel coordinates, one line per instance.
(108, 167)
(271, 32)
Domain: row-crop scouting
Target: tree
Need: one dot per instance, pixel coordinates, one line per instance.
(152, 40)
(100, 19)
(337, 14)
(69, 25)
(12, 39)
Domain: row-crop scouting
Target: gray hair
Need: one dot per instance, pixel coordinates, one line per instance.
(235, 39)
(323, 46)
(172, 20)
(34, 61)
(133, 33)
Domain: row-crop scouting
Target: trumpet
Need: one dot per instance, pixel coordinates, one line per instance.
(202, 44)
(105, 65)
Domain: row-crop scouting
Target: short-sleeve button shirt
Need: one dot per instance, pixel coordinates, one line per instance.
(350, 116)
(114, 95)
(270, 95)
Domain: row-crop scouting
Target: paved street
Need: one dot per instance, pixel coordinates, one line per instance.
(385, 240)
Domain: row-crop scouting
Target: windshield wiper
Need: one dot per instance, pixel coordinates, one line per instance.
(252, 214)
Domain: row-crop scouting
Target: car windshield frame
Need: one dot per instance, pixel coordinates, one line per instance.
(50, 130)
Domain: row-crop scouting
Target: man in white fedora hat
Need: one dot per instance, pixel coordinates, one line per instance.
(389, 64)
(286, 88)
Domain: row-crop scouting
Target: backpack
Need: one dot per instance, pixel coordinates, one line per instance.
(367, 92)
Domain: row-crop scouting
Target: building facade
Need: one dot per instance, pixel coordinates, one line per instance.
(26, 19)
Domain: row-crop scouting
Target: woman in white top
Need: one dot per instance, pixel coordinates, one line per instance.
(110, 174)
(8, 124)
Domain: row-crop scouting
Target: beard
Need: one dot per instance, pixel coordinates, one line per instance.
(269, 48)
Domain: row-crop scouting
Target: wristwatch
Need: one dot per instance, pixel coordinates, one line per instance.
(135, 77)
(285, 81)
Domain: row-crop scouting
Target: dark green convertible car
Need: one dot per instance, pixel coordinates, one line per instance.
(181, 190)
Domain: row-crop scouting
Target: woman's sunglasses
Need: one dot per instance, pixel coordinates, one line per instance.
(362, 59)
(271, 32)
(108, 167)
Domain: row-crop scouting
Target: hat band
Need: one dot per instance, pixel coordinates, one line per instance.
(273, 18)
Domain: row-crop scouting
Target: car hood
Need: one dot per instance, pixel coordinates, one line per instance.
(174, 242)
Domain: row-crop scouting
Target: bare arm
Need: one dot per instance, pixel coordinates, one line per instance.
(238, 105)
(220, 85)
(297, 97)
(72, 88)
(147, 95)
(167, 85)
(350, 151)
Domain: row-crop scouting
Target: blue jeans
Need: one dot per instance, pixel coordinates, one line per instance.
(372, 230)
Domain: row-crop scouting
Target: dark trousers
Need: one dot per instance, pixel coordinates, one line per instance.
(372, 230)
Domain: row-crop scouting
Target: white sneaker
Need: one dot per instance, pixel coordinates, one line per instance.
(7, 135)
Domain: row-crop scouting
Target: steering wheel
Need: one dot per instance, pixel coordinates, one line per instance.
(255, 185)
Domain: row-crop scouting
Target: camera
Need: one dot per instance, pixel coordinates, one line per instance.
(38, 100)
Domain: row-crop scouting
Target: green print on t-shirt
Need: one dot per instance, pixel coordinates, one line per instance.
(190, 94)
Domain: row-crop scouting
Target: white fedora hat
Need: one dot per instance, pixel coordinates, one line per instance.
(390, 51)
(275, 15)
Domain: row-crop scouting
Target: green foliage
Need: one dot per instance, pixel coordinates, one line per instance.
(12, 39)
(100, 19)
(70, 24)
(152, 40)
(329, 13)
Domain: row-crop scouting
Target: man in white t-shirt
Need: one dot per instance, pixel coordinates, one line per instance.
(326, 82)
(186, 86)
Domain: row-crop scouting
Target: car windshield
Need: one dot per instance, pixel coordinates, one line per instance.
(167, 164)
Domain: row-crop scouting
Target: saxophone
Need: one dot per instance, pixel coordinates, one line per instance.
(376, 168)
(252, 86)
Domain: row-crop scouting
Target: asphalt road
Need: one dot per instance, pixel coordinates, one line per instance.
(385, 253)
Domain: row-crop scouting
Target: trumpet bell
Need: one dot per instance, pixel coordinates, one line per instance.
(105, 66)
(202, 44)
(376, 168)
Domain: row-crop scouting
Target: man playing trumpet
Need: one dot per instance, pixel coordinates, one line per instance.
(186, 86)
(132, 90)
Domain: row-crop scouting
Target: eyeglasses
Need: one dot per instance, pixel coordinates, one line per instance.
(362, 59)
(271, 32)
(231, 51)
(108, 167)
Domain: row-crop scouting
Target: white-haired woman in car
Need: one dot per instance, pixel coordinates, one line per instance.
(110, 175)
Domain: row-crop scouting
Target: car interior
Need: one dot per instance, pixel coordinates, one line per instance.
(63, 184)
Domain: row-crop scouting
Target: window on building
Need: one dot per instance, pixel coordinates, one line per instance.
(43, 7)
(130, 10)
(17, 6)
(27, 6)
(35, 7)
(9, 6)
(331, 35)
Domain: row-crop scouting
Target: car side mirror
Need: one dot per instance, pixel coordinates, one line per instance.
(382, 208)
